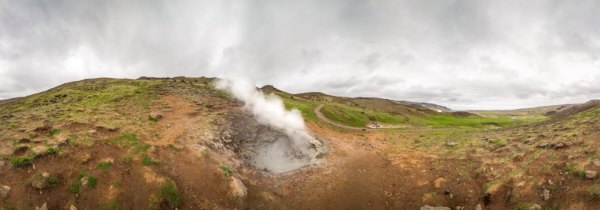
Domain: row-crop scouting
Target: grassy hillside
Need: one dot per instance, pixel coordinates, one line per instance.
(83, 112)
(352, 113)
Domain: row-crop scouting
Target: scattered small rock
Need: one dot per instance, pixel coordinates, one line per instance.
(535, 207)
(4, 190)
(451, 143)
(72, 207)
(478, 207)
(546, 194)
(559, 145)
(542, 145)
(84, 181)
(591, 174)
(596, 162)
(238, 189)
(41, 180)
(437, 183)
(44, 207)
(521, 184)
(435, 208)
(92, 132)
(108, 160)
(156, 116)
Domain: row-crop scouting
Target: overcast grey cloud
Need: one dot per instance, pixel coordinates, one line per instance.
(463, 54)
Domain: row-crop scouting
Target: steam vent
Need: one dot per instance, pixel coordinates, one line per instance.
(270, 149)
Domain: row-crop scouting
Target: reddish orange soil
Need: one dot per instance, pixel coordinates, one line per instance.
(360, 171)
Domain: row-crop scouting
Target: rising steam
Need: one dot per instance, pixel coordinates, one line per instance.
(291, 146)
(268, 109)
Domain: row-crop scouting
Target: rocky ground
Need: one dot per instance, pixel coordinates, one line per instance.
(168, 143)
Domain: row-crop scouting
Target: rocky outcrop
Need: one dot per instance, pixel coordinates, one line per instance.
(4, 190)
(434, 208)
(238, 189)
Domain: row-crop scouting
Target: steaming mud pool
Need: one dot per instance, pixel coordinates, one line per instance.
(271, 149)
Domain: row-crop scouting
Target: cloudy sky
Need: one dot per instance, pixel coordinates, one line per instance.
(462, 54)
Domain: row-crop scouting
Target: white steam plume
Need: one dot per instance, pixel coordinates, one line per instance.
(268, 109)
(283, 154)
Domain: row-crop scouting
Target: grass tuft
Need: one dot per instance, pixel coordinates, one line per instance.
(148, 161)
(53, 132)
(20, 162)
(227, 171)
(170, 194)
(104, 165)
(76, 184)
(570, 168)
(53, 151)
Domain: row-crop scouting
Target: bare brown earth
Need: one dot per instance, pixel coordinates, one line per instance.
(374, 169)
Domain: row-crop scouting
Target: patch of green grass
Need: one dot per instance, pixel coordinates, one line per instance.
(130, 140)
(346, 116)
(14, 142)
(9, 206)
(449, 120)
(53, 151)
(500, 142)
(21, 161)
(170, 194)
(227, 171)
(92, 181)
(147, 161)
(76, 184)
(127, 158)
(52, 181)
(10, 125)
(571, 168)
(594, 190)
(46, 181)
(53, 132)
(104, 166)
(489, 184)
(305, 107)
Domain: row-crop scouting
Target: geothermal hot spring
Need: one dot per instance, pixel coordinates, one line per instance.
(266, 135)
(273, 149)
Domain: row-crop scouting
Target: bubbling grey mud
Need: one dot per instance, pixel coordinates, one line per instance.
(272, 149)
(268, 136)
